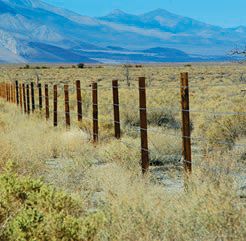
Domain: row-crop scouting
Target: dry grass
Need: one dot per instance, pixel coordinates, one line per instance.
(107, 176)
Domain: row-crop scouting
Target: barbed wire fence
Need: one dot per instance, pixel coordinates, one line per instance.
(31, 97)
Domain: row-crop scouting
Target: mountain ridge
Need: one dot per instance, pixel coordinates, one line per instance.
(33, 21)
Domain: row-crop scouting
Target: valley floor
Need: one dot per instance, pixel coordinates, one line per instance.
(58, 185)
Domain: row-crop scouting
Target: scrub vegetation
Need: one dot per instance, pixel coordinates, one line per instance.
(57, 185)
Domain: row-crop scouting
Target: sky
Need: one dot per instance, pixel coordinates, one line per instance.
(226, 13)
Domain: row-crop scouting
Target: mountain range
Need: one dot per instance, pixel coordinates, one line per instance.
(34, 31)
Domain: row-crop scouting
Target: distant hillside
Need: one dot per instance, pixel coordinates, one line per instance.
(167, 52)
(33, 31)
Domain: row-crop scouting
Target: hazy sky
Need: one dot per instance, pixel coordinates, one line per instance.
(219, 12)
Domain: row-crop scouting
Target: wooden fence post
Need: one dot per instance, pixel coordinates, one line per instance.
(14, 93)
(67, 109)
(7, 91)
(184, 82)
(10, 92)
(116, 109)
(95, 111)
(55, 119)
(47, 109)
(21, 102)
(143, 125)
(28, 99)
(40, 98)
(79, 100)
(24, 97)
(33, 96)
(17, 92)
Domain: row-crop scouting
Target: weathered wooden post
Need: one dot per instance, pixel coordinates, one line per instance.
(28, 99)
(40, 98)
(79, 100)
(67, 109)
(17, 92)
(24, 97)
(47, 108)
(32, 96)
(21, 98)
(143, 125)
(55, 106)
(116, 109)
(186, 132)
(95, 111)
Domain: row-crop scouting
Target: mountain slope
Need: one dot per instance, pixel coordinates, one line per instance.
(177, 32)
(24, 21)
(31, 30)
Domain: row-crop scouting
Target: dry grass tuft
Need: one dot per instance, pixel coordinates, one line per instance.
(107, 176)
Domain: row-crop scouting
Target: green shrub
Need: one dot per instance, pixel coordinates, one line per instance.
(31, 210)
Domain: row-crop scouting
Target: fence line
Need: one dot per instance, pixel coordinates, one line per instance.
(21, 94)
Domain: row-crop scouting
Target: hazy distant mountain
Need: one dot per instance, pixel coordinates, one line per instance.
(157, 19)
(175, 31)
(33, 31)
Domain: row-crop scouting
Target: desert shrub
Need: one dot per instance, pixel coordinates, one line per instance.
(138, 210)
(163, 118)
(222, 130)
(30, 210)
(128, 66)
(226, 129)
(81, 65)
(105, 127)
(125, 153)
(165, 149)
(34, 142)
